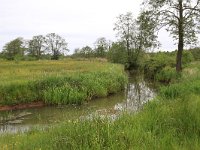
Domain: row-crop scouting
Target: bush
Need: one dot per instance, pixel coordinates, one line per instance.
(161, 65)
(167, 74)
(196, 53)
(187, 57)
(156, 63)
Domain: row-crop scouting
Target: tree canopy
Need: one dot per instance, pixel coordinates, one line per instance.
(181, 19)
(14, 48)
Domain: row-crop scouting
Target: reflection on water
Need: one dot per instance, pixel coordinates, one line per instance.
(137, 93)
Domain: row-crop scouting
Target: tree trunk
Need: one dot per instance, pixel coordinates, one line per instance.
(128, 50)
(180, 42)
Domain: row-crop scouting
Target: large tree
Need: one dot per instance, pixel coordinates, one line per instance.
(56, 45)
(181, 19)
(36, 46)
(14, 48)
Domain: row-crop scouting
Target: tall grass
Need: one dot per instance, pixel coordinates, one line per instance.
(59, 82)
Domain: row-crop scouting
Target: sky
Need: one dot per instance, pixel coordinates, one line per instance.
(80, 22)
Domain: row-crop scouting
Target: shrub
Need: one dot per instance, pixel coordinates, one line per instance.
(167, 74)
(187, 57)
(156, 63)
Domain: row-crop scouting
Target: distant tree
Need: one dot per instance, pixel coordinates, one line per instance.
(1, 55)
(117, 53)
(15, 48)
(180, 17)
(36, 46)
(56, 45)
(76, 52)
(87, 51)
(101, 47)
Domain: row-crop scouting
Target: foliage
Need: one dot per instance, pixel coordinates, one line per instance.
(117, 53)
(161, 65)
(100, 51)
(85, 52)
(101, 47)
(196, 53)
(137, 35)
(36, 46)
(14, 48)
(51, 46)
(56, 45)
(156, 63)
(166, 74)
(187, 57)
(180, 18)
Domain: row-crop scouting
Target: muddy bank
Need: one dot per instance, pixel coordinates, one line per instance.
(22, 106)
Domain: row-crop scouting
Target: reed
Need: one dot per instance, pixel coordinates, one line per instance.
(59, 82)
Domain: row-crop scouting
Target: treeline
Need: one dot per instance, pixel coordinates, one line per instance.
(51, 46)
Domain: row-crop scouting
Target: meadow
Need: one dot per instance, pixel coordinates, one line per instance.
(58, 82)
(170, 121)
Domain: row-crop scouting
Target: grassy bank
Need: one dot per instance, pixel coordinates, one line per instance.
(58, 82)
(171, 121)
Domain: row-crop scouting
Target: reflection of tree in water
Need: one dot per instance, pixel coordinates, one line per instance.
(138, 92)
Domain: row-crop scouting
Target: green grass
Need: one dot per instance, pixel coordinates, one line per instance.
(171, 121)
(58, 82)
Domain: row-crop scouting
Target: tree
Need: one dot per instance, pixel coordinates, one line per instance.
(86, 51)
(36, 46)
(180, 17)
(56, 45)
(117, 53)
(144, 38)
(137, 34)
(125, 27)
(14, 48)
(101, 47)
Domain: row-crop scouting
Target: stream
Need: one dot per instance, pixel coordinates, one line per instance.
(136, 94)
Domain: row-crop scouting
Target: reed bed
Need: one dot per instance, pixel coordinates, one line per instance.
(58, 82)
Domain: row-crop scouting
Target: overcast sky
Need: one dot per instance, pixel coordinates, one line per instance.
(80, 22)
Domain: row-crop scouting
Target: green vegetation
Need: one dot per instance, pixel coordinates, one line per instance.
(58, 82)
(171, 121)
(161, 66)
(52, 46)
(180, 19)
(196, 53)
